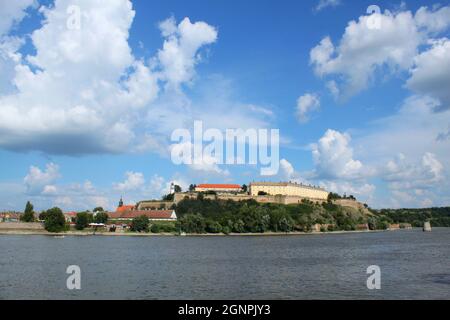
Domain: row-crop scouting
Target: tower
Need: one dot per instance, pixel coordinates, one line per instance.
(121, 202)
(172, 188)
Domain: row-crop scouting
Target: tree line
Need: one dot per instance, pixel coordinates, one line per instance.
(218, 216)
(54, 220)
(438, 217)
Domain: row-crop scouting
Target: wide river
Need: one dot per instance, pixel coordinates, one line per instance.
(413, 264)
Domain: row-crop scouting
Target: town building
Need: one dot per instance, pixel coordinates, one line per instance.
(220, 188)
(124, 207)
(126, 213)
(10, 217)
(70, 216)
(288, 189)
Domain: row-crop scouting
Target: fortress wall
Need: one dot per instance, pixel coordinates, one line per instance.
(243, 197)
(154, 205)
(349, 203)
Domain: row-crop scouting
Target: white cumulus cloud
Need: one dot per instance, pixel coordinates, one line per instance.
(12, 12)
(333, 157)
(379, 42)
(83, 91)
(179, 54)
(133, 181)
(40, 181)
(431, 73)
(306, 104)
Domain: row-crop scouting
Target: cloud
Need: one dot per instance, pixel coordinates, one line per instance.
(179, 54)
(401, 174)
(72, 98)
(40, 181)
(323, 4)
(75, 99)
(133, 181)
(135, 188)
(412, 130)
(288, 173)
(333, 157)
(11, 13)
(408, 160)
(306, 104)
(375, 44)
(443, 136)
(433, 21)
(286, 168)
(431, 73)
(363, 191)
(363, 49)
(78, 197)
(197, 160)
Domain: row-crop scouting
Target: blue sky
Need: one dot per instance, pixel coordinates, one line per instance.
(361, 100)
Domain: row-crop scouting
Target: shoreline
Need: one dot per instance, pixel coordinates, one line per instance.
(130, 234)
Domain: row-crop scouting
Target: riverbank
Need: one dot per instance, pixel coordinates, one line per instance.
(136, 234)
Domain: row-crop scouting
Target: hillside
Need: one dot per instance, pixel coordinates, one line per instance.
(206, 215)
(438, 217)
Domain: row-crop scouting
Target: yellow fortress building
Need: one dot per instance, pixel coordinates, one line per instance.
(288, 189)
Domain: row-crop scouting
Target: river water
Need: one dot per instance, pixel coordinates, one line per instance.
(413, 264)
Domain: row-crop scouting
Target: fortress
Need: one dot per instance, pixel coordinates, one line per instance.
(263, 192)
(288, 189)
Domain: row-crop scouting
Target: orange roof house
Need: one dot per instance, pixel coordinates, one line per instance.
(70, 216)
(123, 208)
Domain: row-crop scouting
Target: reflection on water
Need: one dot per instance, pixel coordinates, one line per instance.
(414, 265)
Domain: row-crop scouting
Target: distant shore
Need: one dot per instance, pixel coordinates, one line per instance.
(136, 234)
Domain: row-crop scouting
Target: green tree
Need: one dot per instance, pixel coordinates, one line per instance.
(98, 209)
(256, 219)
(83, 220)
(238, 226)
(101, 217)
(177, 188)
(28, 215)
(213, 226)
(192, 223)
(333, 196)
(244, 188)
(155, 228)
(140, 224)
(168, 197)
(54, 220)
(42, 215)
(285, 223)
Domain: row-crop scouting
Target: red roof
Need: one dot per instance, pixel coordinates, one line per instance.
(219, 186)
(151, 214)
(10, 215)
(125, 208)
(71, 214)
